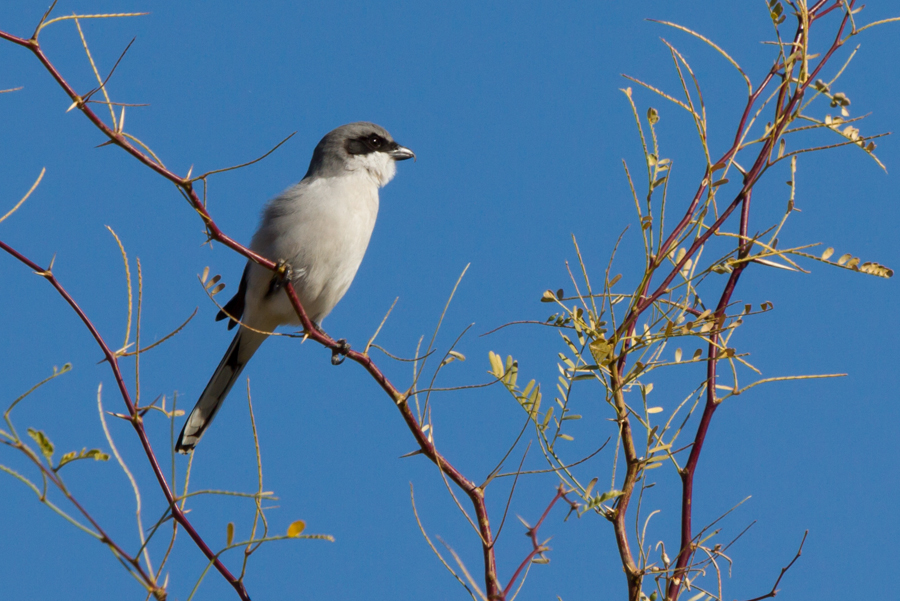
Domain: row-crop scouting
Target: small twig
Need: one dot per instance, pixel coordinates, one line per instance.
(248, 163)
(784, 570)
(532, 532)
(27, 194)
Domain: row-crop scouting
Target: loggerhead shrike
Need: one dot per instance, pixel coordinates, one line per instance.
(320, 228)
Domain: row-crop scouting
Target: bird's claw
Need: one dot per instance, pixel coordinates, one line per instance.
(340, 353)
(284, 273)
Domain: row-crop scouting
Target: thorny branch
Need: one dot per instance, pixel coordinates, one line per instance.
(792, 77)
(781, 120)
(790, 93)
(146, 578)
(185, 184)
(135, 419)
(539, 548)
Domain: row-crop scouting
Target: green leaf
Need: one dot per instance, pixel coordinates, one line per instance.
(70, 456)
(610, 494)
(43, 442)
(95, 454)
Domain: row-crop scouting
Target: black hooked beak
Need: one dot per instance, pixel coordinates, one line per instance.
(401, 153)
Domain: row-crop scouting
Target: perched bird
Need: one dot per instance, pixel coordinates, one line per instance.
(319, 229)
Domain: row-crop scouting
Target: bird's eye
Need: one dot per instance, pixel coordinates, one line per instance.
(376, 141)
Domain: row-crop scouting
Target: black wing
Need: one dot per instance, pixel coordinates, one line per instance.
(234, 309)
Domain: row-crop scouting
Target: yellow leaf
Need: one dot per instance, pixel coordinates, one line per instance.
(828, 252)
(600, 349)
(229, 534)
(296, 529)
(496, 364)
(876, 269)
(654, 410)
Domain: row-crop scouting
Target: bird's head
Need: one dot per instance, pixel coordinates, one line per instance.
(360, 147)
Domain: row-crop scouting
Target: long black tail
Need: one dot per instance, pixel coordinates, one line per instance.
(236, 357)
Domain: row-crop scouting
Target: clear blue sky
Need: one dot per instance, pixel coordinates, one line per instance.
(519, 127)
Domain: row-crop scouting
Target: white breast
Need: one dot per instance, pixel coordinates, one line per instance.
(321, 227)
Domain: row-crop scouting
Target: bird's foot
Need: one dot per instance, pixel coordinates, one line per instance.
(284, 273)
(340, 353)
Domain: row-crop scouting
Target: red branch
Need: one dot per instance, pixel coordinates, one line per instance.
(473, 491)
(135, 420)
(532, 532)
(134, 561)
(686, 549)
